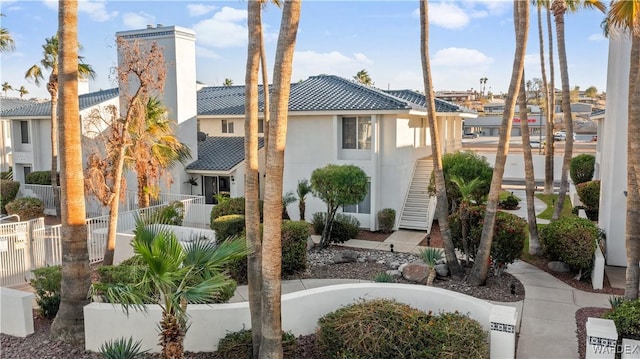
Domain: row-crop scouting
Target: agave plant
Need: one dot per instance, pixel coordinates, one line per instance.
(431, 256)
(383, 277)
(122, 348)
(173, 277)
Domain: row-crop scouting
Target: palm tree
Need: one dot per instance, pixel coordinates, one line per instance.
(303, 189)
(69, 322)
(559, 8)
(363, 77)
(534, 243)
(483, 85)
(441, 191)
(173, 276)
(6, 40)
(625, 15)
(50, 62)
(430, 256)
(480, 268)
(271, 343)
(154, 149)
(466, 191)
(6, 88)
(227, 82)
(23, 91)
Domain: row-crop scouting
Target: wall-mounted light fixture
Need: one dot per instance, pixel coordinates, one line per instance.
(233, 179)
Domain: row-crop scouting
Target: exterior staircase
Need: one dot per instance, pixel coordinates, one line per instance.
(419, 206)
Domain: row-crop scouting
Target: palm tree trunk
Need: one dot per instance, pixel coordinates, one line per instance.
(302, 206)
(172, 337)
(265, 94)
(480, 268)
(432, 276)
(69, 322)
(441, 190)
(551, 114)
(548, 148)
(534, 243)
(558, 12)
(252, 214)
(143, 184)
(271, 344)
(632, 237)
(52, 87)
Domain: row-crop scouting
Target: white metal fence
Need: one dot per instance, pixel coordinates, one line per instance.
(28, 245)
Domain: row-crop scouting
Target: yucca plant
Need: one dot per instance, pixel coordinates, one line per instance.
(303, 189)
(431, 256)
(615, 301)
(173, 276)
(383, 277)
(122, 348)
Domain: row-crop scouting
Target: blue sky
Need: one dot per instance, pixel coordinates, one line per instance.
(469, 39)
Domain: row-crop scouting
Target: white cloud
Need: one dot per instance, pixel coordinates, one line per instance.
(51, 4)
(596, 37)
(448, 15)
(138, 20)
(199, 9)
(96, 10)
(309, 63)
(206, 53)
(460, 57)
(225, 28)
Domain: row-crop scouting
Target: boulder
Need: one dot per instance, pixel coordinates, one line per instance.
(558, 266)
(442, 270)
(402, 266)
(395, 273)
(394, 265)
(346, 256)
(416, 272)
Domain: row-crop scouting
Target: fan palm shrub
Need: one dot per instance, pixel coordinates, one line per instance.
(431, 256)
(180, 275)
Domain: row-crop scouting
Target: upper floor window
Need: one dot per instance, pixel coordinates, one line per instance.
(356, 133)
(227, 126)
(24, 131)
(260, 126)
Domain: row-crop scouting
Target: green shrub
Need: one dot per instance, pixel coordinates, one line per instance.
(465, 165)
(589, 193)
(345, 227)
(39, 177)
(6, 175)
(238, 345)
(228, 226)
(172, 214)
(122, 348)
(571, 240)
(509, 235)
(582, 168)
(509, 202)
(26, 207)
(383, 328)
(627, 318)
(46, 282)
(8, 192)
(232, 206)
(386, 219)
(294, 246)
(383, 277)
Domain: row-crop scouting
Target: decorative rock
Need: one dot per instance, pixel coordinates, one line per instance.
(310, 243)
(345, 257)
(402, 266)
(441, 261)
(371, 258)
(442, 269)
(558, 266)
(395, 273)
(361, 259)
(416, 272)
(394, 265)
(382, 261)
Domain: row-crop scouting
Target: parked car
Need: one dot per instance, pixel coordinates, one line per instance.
(470, 135)
(562, 136)
(536, 144)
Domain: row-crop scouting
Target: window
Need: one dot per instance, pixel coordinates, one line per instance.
(227, 126)
(24, 131)
(25, 171)
(260, 126)
(363, 207)
(356, 133)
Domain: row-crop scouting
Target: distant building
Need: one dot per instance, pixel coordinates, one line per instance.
(457, 96)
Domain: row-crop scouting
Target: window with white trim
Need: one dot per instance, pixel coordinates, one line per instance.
(356, 133)
(24, 131)
(227, 126)
(260, 126)
(364, 207)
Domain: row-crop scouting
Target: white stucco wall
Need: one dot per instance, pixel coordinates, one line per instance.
(613, 160)
(213, 127)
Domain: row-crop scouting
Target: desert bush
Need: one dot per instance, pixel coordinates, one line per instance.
(345, 227)
(465, 165)
(122, 348)
(386, 219)
(509, 202)
(228, 226)
(571, 240)
(383, 328)
(627, 318)
(589, 193)
(509, 235)
(46, 282)
(238, 345)
(383, 277)
(26, 207)
(294, 246)
(582, 168)
(172, 214)
(8, 192)
(231, 206)
(39, 177)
